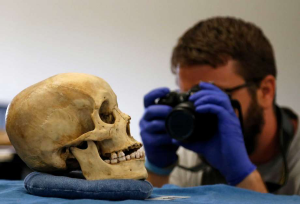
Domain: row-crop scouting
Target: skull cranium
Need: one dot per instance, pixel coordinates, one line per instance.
(71, 121)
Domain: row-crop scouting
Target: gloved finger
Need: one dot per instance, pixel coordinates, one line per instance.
(222, 101)
(149, 99)
(143, 124)
(202, 93)
(209, 86)
(221, 112)
(156, 112)
(155, 126)
(192, 146)
(176, 142)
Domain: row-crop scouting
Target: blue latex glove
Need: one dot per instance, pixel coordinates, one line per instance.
(226, 151)
(160, 151)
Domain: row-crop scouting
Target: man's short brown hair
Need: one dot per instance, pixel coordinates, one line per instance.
(213, 40)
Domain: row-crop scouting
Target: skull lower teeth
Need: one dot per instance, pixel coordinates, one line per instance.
(120, 156)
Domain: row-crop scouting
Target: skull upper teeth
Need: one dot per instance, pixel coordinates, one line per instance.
(113, 156)
(137, 155)
(121, 154)
(142, 153)
(132, 155)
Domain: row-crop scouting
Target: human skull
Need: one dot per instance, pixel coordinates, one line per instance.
(72, 121)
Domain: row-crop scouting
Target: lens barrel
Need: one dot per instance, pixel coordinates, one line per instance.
(180, 123)
(184, 124)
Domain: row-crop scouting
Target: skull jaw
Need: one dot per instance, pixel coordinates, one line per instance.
(94, 168)
(134, 169)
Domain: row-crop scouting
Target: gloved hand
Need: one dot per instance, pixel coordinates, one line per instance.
(226, 150)
(160, 151)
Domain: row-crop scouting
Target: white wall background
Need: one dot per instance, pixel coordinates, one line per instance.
(128, 43)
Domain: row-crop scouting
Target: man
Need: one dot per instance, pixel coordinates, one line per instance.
(263, 156)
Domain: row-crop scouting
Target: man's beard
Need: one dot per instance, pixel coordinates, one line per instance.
(253, 125)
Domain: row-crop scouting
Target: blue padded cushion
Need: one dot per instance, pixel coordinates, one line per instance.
(47, 185)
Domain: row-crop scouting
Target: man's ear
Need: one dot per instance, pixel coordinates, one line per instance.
(266, 92)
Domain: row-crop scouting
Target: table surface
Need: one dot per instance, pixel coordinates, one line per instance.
(14, 192)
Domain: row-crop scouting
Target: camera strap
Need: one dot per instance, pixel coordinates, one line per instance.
(286, 134)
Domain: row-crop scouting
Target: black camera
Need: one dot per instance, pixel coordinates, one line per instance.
(184, 124)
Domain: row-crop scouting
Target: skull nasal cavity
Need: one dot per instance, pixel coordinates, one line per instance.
(105, 114)
(128, 129)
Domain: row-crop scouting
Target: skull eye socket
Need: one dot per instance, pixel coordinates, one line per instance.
(107, 118)
(105, 115)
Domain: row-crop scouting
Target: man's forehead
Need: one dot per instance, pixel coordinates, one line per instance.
(222, 76)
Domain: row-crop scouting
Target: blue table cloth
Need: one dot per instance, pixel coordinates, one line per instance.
(13, 192)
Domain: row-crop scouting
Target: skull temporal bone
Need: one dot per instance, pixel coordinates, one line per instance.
(48, 121)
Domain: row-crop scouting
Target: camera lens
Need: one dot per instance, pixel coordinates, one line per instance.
(184, 124)
(180, 123)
